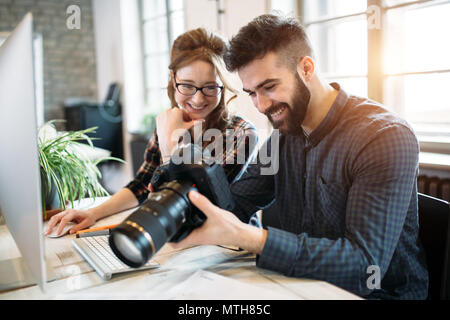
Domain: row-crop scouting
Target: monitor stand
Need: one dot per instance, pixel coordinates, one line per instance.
(15, 274)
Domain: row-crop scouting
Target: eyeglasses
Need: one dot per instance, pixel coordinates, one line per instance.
(190, 90)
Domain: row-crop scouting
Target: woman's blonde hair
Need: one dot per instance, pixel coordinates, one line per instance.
(199, 44)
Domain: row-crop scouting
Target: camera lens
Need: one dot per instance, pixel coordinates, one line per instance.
(127, 247)
(147, 229)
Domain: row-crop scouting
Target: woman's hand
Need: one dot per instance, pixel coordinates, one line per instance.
(170, 126)
(83, 219)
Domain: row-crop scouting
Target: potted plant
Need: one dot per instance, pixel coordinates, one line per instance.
(67, 174)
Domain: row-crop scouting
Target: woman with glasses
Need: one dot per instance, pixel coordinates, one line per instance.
(199, 94)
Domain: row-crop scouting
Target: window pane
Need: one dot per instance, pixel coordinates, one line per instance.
(157, 71)
(354, 86)
(153, 8)
(177, 24)
(155, 36)
(413, 42)
(156, 43)
(319, 9)
(422, 99)
(288, 7)
(341, 48)
(175, 5)
(157, 101)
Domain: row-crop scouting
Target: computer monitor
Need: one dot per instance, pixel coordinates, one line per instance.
(20, 189)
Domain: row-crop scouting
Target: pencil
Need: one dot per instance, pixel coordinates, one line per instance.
(92, 230)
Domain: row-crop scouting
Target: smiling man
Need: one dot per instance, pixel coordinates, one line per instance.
(345, 192)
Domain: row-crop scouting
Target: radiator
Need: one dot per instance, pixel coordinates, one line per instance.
(434, 186)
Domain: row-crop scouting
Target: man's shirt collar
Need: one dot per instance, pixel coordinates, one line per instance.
(332, 117)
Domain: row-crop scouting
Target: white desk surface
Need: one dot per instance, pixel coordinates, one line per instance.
(77, 280)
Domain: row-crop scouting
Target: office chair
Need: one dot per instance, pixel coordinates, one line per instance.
(434, 233)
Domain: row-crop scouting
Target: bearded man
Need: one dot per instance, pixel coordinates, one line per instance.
(345, 191)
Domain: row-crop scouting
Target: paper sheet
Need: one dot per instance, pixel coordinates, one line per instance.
(207, 285)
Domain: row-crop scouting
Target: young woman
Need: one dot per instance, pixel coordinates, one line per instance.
(197, 90)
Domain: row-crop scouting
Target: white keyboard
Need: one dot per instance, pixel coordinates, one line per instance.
(102, 249)
(97, 252)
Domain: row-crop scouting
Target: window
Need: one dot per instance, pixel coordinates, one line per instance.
(162, 22)
(401, 61)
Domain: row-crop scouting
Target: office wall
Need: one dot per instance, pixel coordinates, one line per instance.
(69, 62)
(108, 44)
(119, 59)
(110, 53)
(119, 53)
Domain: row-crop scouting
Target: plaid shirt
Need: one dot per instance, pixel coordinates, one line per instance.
(346, 199)
(243, 146)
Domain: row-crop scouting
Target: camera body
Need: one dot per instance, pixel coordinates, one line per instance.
(209, 180)
(167, 214)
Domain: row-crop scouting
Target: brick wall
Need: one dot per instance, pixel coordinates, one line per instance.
(69, 55)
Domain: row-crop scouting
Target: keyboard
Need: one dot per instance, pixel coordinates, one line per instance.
(97, 252)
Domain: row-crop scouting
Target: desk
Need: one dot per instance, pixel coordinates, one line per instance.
(77, 280)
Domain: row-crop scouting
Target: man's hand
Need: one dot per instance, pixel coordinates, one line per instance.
(222, 228)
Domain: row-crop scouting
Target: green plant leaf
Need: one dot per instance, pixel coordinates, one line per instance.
(72, 174)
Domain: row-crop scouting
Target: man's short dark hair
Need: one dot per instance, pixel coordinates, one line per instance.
(268, 33)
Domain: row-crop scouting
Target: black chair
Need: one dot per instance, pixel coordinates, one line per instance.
(434, 233)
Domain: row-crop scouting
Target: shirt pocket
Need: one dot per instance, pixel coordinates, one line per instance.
(331, 206)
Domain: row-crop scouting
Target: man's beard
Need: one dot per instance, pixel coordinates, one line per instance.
(295, 114)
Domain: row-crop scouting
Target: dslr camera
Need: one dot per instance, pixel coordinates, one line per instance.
(167, 214)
